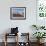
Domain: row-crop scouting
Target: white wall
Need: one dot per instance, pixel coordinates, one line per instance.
(24, 25)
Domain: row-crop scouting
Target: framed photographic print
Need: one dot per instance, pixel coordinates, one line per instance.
(18, 13)
(41, 12)
(41, 8)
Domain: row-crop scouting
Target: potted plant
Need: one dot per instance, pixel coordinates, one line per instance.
(39, 35)
(42, 27)
(38, 27)
(35, 26)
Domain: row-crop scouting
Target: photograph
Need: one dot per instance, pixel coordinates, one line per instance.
(18, 13)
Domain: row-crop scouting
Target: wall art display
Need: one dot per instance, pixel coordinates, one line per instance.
(18, 13)
(41, 12)
(41, 8)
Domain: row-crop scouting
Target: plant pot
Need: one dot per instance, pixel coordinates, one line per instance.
(40, 41)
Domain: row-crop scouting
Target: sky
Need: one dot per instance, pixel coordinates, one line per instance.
(18, 10)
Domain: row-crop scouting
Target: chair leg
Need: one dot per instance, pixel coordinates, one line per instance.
(17, 40)
(5, 43)
(5, 40)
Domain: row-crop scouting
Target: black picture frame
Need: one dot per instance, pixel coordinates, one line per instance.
(17, 13)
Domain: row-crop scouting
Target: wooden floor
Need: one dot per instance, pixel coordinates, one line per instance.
(13, 44)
